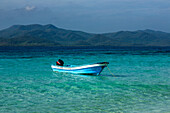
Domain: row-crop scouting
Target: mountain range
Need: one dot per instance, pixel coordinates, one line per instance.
(50, 35)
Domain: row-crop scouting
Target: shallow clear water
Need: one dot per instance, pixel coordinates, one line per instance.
(141, 81)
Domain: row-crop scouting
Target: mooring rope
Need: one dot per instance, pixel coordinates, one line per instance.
(110, 71)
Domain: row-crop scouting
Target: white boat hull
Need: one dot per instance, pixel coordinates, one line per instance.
(93, 69)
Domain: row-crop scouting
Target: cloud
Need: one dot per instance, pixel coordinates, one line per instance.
(29, 8)
(88, 15)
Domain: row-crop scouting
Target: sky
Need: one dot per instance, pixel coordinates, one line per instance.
(93, 16)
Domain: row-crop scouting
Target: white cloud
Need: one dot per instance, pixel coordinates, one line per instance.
(29, 8)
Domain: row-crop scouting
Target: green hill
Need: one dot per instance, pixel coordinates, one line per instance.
(49, 35)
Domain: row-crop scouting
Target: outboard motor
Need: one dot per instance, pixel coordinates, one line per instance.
(59, 62)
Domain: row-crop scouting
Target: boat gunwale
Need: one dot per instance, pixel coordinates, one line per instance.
(79, 67)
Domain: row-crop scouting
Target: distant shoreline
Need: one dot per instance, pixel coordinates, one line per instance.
(84, 47)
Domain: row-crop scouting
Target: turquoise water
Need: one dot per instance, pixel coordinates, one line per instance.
(141, 81)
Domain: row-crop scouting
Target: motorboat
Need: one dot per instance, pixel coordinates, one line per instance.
(89, 69)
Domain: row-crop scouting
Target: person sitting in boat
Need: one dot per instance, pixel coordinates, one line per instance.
(60, 62)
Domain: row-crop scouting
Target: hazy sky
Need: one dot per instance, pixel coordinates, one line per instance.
(95, 16)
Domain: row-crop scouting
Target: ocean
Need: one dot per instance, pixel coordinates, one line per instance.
(140, 82)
